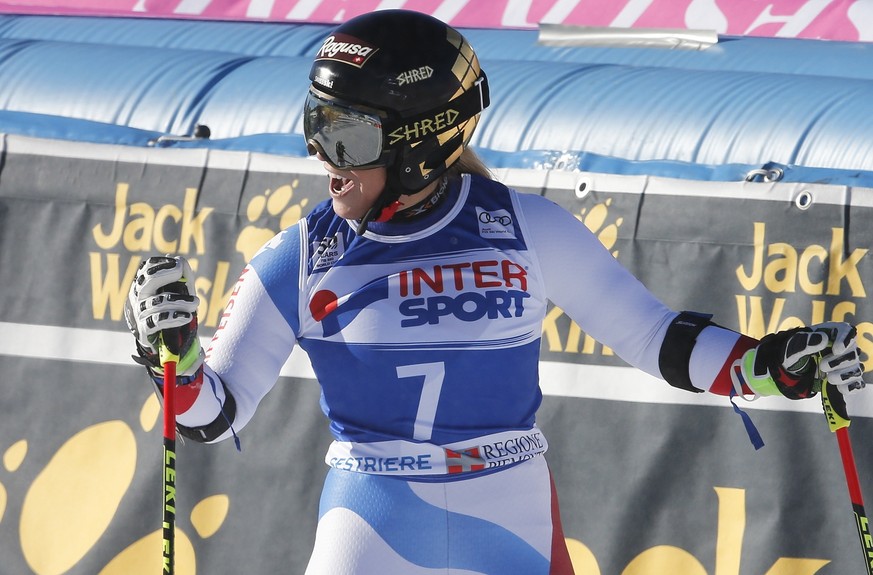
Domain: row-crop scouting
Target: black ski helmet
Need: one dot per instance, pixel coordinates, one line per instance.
(419, 75)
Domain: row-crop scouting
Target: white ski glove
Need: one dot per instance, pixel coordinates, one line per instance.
(840, 362)
(162, 299)
(797, 362)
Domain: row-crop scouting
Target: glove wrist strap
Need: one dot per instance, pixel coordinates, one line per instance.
(763, 384)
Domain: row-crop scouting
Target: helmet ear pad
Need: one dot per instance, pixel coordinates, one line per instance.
(417, 166)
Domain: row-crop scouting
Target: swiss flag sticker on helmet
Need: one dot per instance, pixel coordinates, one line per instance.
(346, 49)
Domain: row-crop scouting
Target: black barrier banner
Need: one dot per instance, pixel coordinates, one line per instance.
(651, 479)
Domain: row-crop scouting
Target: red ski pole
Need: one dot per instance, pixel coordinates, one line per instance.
(169, 359)
(838, 421)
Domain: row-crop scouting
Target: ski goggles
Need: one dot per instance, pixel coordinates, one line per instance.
(346, 137)
(351, 137)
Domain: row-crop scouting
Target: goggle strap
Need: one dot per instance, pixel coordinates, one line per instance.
(467, 105)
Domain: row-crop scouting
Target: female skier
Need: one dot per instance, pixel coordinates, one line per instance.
(418, 291)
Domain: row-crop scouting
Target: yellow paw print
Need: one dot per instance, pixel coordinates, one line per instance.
(595, 218)
(262, 209)
(70, 503)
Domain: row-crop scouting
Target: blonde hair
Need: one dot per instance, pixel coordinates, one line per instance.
(469, 163)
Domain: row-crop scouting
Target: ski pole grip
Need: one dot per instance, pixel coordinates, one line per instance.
(170, 339)
(169, 346)
(834, 404)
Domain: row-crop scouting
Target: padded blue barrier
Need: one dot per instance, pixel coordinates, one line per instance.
(717, 113)
(696, 116)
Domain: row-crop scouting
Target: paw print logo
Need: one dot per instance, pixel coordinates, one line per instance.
(595, 220)
(261, 211)
(71, 502)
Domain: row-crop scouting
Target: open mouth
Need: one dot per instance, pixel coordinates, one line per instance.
(340, 186)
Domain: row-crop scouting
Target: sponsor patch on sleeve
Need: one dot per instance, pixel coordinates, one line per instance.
(495, 224)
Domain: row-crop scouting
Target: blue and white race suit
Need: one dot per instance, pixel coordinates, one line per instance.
(425, 338)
